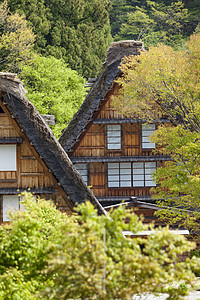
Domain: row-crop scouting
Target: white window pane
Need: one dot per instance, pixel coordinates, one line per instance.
(8, 159)
(148, 146)
(114, 134)
(138, 165)
(113, 171)
(148, 177)
(147, 131)
(138, 177)
(10, 204)
(138, 171)
(114, 146)
(125, 165)
(125, 177)
(125, 171)
(114, 127)
(113, 165)
(114, 140)
(150, 183)
(113, 177)
(125, 183)
(114, 137)
(138, 183)
(113, 184)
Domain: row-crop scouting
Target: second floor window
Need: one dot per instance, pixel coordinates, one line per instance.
(114, 137)
(8, 158)
(147, 130)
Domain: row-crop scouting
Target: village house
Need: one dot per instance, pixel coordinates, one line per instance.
(30, 156)
(113, 153)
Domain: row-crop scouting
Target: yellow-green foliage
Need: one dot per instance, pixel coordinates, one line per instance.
(16, 40)
(164, 82)
(48, 255)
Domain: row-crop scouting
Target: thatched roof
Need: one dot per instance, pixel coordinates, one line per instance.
(98, 91)
(44, 141)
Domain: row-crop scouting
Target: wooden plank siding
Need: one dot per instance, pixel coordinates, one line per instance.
(93, 143)
(30, 173)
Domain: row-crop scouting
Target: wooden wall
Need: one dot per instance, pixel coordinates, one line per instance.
(31, 170)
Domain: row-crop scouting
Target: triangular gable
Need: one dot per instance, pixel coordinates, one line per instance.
(98, 92)
(49, 156)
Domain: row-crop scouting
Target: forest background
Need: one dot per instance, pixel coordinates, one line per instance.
(55, 46)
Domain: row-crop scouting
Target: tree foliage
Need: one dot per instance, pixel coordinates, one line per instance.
(54, 89)
(153, 22)
(46, 254)
(76, 30)
(166, 83)
(16, 40)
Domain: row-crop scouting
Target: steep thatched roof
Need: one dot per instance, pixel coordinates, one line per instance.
(98, 91)
(43, 140)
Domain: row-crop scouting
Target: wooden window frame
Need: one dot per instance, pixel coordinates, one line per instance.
(117, 176)
(109, 136)
(146, 143)
(13, 157)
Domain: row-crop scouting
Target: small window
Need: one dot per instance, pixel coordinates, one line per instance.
(113, 174)
(8, 160)
(114, 137)
(138, 174)
(149, 168)
(147, 130)
(10, 204)
(83, 171)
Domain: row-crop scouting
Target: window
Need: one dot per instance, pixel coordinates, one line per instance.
(147, 130)
(114, 137)
(83, 171)
(10, 204)
(119, 174)
(8, 159)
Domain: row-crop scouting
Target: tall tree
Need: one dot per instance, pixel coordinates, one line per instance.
(76, 30)
(156, 22)
(16, 40)
(54, 89)
(164, 82)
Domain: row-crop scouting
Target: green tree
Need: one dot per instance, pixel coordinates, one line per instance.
(46, 254)
(76, 30)
(54, 89)
(164, 82)
(16, 40)
(156, 22)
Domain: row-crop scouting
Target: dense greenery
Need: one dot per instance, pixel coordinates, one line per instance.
(54, 89)
(46, 254)
(76, 30)
(169, 22)
(16, 40)
(167, 82)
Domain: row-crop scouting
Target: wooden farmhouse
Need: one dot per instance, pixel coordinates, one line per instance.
(30, 156)
(111, 152)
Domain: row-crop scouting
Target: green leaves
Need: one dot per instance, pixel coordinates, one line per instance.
(54, 89)
(46, 254)
(16, 40)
